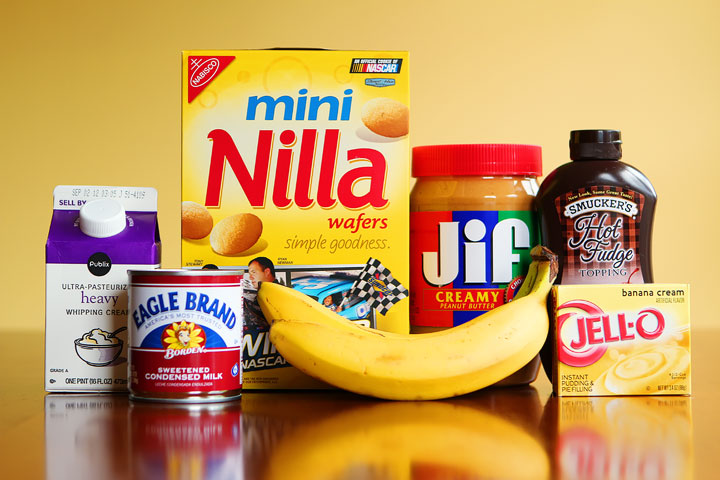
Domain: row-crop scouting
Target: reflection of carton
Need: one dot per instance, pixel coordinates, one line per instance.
(96, 235)
(302, 158)
(628, 437)
(621, 339)
(86, 437)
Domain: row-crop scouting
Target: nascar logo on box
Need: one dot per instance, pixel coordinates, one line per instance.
(376, 65)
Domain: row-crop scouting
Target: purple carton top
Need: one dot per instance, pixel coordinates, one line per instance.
(70, 240)
(138, 244)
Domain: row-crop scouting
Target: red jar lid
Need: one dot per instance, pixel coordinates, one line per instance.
(477, 159)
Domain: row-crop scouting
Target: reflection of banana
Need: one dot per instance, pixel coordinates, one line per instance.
(521, 404)
(406, 441)
(412, 367)
(298, 407)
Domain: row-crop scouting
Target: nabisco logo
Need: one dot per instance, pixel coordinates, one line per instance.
(203, 71)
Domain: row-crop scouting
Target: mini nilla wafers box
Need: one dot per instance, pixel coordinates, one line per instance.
(296, 169)
(629, 339)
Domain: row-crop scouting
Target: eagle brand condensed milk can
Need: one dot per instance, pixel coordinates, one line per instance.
(185, 335)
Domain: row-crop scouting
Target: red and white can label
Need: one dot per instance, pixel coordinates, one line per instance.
(185, 332)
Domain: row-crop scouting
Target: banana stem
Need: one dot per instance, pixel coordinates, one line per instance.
(544, 262)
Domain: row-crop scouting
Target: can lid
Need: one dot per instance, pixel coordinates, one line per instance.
(186, 277)
(185, 272)
(477, 159)
(102, 218)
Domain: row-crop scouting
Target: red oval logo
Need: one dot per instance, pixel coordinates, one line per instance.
(513, 288)
(204, 72)
(589, 354)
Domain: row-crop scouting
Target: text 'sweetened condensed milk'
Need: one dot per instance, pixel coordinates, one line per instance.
(624, 339)
(185, 335)
(97, 233)
(295, 169)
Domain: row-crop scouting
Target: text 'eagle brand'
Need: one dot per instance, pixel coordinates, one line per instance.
(192, 302)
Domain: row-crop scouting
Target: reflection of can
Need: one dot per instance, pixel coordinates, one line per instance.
(186, 441)
(185, 340)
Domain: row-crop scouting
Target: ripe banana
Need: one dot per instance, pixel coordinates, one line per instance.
(426, 366)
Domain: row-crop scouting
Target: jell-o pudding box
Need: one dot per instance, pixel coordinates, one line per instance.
(621, 339)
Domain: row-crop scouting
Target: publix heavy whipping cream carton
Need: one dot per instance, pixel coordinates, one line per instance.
(295, 169)
(96, 235)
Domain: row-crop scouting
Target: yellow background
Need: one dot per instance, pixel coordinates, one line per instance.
(91, 95)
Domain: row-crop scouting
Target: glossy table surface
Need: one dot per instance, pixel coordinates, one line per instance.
(518, 432)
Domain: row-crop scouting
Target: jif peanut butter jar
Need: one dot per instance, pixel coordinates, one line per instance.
(596, 212)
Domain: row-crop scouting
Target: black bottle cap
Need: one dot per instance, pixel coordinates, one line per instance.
(595, 145)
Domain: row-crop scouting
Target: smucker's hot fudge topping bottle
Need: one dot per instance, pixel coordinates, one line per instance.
(596, 213)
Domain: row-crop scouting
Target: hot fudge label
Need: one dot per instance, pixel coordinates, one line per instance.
(602, 229)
